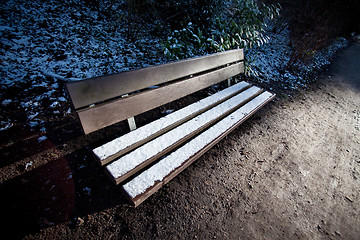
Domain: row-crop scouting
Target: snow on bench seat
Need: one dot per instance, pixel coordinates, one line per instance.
(119, 146)
(149, 181)
(144, 155)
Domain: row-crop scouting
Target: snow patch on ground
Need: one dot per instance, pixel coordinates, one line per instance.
(6, 102)
(269, 62)
(42, 138)
(4, 125)
(46, 43)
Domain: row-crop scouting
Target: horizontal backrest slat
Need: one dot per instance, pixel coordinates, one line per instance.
(107, 114)
(86, 92)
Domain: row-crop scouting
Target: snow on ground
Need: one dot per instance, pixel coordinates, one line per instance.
(46, 43)
(269, 62)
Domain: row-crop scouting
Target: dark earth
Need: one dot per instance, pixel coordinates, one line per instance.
(289, 172)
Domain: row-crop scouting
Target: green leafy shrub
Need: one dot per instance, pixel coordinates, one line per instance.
(185, 43)
(238, 24)
(242, 24)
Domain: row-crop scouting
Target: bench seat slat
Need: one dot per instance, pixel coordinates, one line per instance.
(107, 114)
(91, 91)
(121, 145)
(149, 181)
(144, 155)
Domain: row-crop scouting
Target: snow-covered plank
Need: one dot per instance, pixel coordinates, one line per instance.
(90, 91)
(144, 155)
(145, 184)
(103, 115)
(131, 140)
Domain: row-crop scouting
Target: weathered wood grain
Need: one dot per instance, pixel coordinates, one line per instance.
(90, 91)
(103, 115)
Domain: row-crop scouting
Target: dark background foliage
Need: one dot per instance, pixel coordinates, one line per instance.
(313, 23)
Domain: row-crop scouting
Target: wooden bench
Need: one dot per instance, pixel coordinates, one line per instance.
(145, 159)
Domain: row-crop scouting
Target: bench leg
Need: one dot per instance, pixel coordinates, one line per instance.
(229, 82)
(131, 121)
(132, 124)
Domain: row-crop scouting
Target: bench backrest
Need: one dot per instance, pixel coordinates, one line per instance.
(100, 101)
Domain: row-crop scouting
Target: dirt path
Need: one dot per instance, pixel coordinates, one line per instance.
(292, 171)
(301, 178)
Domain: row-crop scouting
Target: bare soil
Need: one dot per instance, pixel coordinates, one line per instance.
(291, 171)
